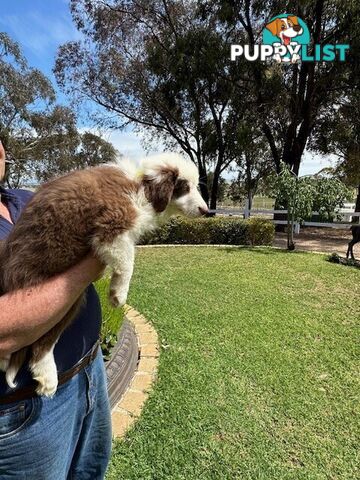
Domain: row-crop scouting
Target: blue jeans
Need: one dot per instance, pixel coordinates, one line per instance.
(67, 437)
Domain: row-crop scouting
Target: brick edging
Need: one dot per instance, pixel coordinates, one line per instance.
(128, 409)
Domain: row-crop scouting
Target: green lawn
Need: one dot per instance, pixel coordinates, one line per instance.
(258, 372)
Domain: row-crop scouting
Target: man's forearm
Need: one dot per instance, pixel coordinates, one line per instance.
(25, 315)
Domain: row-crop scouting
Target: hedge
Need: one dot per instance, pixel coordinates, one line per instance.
(213, 230)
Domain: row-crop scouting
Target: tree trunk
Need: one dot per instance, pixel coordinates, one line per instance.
(203, 184)
(214, 190)
(250, 198)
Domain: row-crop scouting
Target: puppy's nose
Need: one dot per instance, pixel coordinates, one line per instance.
(297, 28)
(203, 211)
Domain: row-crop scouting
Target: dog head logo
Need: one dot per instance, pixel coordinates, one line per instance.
(286, 33)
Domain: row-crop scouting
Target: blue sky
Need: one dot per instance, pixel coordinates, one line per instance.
(40, 26)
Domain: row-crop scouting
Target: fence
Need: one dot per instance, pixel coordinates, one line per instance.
(247, 213)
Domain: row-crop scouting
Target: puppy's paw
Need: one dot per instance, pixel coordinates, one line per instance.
(47, 387)
(45, 373)
(117, 298)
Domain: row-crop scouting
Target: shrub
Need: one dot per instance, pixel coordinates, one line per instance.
(214, 230)
(260, 231)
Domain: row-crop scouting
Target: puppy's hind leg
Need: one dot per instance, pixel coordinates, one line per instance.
(42, 363)
(44, 371)
(15, 362)
(4, 363)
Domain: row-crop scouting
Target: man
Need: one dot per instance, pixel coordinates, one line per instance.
(69, 435)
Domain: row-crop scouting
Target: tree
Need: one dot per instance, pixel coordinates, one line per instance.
(159, 66)
(296, 195)
(40, 138)
(252, 158)
(164, 66)
(302, 195)
(339, 134)
(291, 99)
(71, 150)
(23, 92)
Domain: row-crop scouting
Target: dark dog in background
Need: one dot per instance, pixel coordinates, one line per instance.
(355, 230)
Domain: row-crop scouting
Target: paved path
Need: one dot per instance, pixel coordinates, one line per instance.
(325, 240)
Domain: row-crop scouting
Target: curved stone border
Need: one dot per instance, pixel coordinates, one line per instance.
(123, 362)
(131, 403)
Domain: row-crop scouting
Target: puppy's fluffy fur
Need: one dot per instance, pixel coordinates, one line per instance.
(103, 209)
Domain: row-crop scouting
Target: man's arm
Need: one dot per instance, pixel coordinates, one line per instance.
(25, 315)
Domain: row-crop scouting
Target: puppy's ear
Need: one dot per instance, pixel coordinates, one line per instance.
(159, 188)
(274, 26)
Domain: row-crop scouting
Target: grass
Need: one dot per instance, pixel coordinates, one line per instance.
(258, 371)
(111, 318)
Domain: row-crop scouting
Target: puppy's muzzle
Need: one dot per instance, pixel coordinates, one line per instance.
(203, 211)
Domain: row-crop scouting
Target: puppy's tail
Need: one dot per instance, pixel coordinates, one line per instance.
(16, 361)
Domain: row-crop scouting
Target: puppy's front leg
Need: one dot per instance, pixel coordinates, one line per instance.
(119, 255)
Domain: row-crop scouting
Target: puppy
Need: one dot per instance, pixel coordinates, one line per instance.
(103, 210)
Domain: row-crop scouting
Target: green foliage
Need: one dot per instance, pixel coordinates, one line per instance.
(349, 262)
(329, 195)
(112, 318)
(108, 341)
(214, 230)
(260, 231)
(294, 194)
(303, 195)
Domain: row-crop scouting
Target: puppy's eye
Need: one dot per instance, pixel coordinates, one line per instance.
(282, 27)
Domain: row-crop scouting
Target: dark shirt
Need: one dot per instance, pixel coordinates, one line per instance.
(84, 331)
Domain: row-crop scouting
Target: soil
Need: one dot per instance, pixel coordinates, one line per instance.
(324, 240)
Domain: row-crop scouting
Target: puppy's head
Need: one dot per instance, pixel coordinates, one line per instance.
(285, 28)
(171, 185)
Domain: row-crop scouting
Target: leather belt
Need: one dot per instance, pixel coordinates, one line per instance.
(30, 391)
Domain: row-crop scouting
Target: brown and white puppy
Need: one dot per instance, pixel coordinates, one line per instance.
(103, 209)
